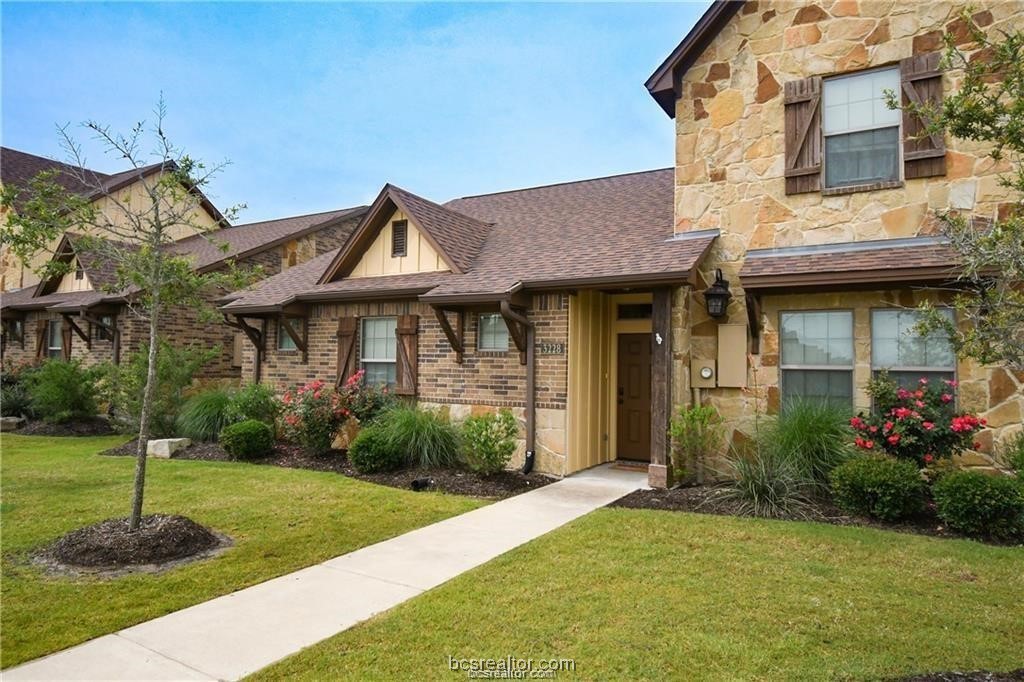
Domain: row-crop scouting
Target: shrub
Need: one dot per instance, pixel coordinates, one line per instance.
(365, 402)
(979, 505)
(426, 437)
(249, 439)
(64, 391)
(696, 437)
(1012, 454)
(881, 487)
(815, 436)
(372, 451)
(312, 415)
(205, 414)
(175, 368)
(920, 425)
(766, 484)
(15, 401)
(253, 401)
(489, 441)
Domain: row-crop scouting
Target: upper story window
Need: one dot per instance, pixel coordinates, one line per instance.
(897, 347)
(817, 356)
(378, 350)
(862, 134)
(54, 340)
(399, 238)
(493, 333)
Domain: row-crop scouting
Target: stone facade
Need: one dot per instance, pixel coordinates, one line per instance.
(485, 381)
(730, 145)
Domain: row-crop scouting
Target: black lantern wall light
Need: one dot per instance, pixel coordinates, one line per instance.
(717, 296)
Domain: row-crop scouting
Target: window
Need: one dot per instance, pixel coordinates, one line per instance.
(399, 238)
(492, 334)
(284, 341)
(378, 349)
(817, 356)
(54, 340)
(862, 134)
(897, 347)
(103, 334)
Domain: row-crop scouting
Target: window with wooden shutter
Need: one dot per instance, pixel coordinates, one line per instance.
(803, 135)
(347, 329)
(42, 328)
(407, 333)
(65, 336)
(924, 155)
(399, 238)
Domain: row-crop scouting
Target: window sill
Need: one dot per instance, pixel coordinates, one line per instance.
(492, 353)
(853, 189)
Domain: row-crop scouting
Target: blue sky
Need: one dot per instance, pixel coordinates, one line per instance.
(318, 105)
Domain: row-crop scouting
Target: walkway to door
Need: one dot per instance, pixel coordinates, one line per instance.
(232, 636)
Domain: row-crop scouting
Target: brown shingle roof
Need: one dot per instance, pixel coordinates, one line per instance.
(892, 260)
(18, 168)
(615, 230)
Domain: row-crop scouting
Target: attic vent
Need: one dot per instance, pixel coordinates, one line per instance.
(399, 238)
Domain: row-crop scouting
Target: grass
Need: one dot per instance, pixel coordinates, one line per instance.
(280, 519)
(636, 594)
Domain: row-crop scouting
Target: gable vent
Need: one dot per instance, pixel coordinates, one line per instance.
(399, 238)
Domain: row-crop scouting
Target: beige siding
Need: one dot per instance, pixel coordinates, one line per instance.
(71, 283)
(420, 255)
(588, 415)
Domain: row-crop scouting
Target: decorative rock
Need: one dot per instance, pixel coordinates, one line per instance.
(800, 36)
(718, 71)
(726, 108)
(879, 35)
(811, 14)
(857, 58)
(164, 448)
(346, 434)
(767, 86)
(1000, 387)
(10, 423)
(928, 42)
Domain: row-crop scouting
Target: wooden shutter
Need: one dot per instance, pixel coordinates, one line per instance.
(803, 135)
(65, 340)
(921, 81)
(42, 327)
(347, 329)
(407, 344)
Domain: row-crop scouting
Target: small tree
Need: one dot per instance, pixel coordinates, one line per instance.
(988, 106)
(133, 236)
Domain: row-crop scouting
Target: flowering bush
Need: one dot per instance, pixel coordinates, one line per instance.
(366, 402)
(921, 424)
(312, 415)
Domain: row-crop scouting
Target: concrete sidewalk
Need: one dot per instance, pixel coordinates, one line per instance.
(231, 636)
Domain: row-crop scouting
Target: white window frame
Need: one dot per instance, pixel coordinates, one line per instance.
(364, 360)
(899, 179)
(875, 367)
(783, 367)
(480, 338)
(53, 351)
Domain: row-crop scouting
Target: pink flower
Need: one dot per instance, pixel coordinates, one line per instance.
(887, 427)
(893, 439)
(923, 381)
(919, 403)
(929, 458)
(928, 426)
(946, 398)
(952, 383)
(903, 394)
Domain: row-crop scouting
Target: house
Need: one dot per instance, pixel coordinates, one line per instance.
(75, 315)
(826, 201)
(780, 258)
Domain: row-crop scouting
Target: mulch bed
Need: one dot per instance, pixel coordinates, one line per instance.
(108, 546)
(95, 426)
(452, 481)
(972, 676)
(712, 500)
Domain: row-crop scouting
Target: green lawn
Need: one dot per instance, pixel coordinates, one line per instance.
(634, 594)
(280, 519)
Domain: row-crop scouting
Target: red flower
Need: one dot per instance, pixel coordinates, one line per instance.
(919, 394)
(869, 444)
(873, 429)
(894, 439)
(928, 426)
(947, 398)
(928, 459)
(888, 427)
(919, 403)
(903, 394)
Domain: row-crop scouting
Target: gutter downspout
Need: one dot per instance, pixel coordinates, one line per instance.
(531, 384)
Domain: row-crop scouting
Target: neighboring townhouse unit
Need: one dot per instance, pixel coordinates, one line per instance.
(543, 300)
(77, 316)
(826, 201)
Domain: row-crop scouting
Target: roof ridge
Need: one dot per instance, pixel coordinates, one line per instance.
(558, 184)
(293, 217)
(444, 206)
(105, 175)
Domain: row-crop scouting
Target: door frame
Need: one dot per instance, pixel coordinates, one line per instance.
(618, 327)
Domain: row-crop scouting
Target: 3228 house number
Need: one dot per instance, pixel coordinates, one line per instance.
(551, 348)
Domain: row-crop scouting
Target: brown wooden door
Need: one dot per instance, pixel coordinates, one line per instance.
(634, 397)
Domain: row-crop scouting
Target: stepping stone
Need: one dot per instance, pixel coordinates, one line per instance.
(164, 448)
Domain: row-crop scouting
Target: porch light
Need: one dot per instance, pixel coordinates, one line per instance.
(717, 296)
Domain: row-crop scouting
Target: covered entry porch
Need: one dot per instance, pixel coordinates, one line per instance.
(620, 368)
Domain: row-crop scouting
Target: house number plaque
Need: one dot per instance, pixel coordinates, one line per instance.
(551, 348)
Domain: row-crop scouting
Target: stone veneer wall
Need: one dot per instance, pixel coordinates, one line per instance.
(729, 175)
(484, 382)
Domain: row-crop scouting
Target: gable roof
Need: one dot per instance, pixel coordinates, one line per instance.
(612, 231)
(663, 85)
(456, 237)
(18, 168)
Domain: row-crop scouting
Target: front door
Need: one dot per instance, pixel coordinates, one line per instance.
(634, 397)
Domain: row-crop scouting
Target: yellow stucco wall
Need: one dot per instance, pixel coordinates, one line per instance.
(420, 255)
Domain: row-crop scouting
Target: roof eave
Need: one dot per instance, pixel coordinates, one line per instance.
(663, 84)
(859, 278)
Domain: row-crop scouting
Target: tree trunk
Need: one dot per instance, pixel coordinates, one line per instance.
(144, 419)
